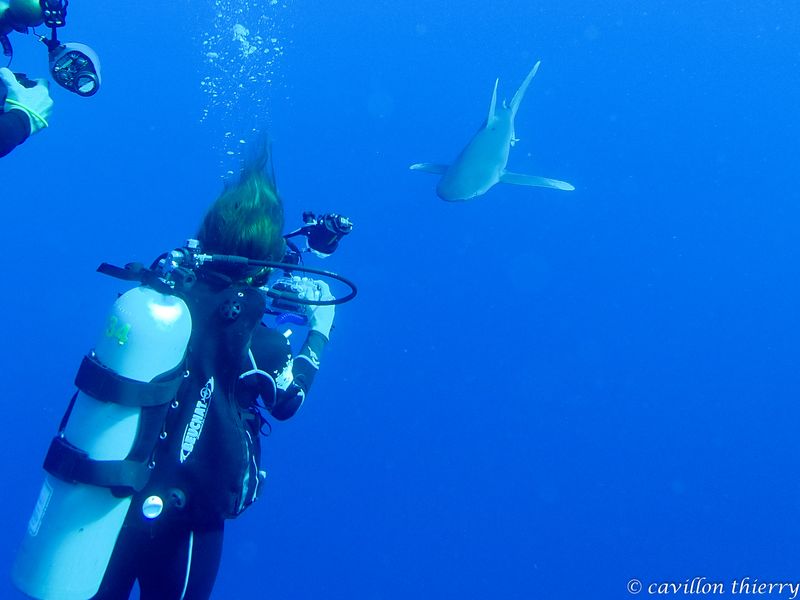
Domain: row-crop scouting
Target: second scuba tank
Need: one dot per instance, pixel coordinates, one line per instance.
(75, 525)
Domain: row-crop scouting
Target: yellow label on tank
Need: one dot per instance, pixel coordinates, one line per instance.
(117, 330)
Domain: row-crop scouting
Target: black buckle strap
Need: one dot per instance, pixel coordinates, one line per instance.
(71, 464)
(102, 383)
(138, 272)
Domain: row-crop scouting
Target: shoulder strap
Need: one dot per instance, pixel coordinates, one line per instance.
(223, 320)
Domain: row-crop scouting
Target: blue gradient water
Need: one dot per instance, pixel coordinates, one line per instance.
(536, 394)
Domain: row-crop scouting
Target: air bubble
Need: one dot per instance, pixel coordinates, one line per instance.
(239, 50)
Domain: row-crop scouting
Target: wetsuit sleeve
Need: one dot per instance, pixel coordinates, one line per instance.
(306, 363)
(285, 380)
(15, 127)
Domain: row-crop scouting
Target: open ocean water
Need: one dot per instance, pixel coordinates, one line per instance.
(537, 395)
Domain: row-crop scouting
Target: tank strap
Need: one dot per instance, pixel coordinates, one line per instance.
(71, 464)
(102, 383)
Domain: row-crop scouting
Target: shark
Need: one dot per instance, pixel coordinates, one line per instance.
(482, 163)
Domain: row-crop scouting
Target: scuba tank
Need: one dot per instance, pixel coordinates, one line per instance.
(105, 450)
(99, 458)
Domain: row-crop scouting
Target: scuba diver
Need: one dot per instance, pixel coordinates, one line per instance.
(160, 444)
(25, 104)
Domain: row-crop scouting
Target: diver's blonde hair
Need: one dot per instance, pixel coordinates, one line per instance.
(247, 218)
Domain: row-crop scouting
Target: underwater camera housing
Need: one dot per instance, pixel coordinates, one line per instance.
(291, 296)
(287, 296)
(323, 233)
(76, 68)
(73, 66)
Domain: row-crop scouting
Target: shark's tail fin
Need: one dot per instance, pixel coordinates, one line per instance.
(517, 99)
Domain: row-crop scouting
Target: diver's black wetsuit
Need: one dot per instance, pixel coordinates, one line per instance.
(15, 127)
(207, 458)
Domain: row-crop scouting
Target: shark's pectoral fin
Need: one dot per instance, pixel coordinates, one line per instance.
(534, 181)
(429, 168)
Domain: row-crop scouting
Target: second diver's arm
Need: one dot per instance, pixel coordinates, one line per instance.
(24, 109)
(15, 127)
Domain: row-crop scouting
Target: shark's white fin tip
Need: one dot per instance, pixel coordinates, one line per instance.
(535, 181)
(429, 168)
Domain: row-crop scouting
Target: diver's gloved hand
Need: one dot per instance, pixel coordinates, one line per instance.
(320, 318)
(34, 101)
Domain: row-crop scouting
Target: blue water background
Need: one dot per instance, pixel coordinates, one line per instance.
(537, 394)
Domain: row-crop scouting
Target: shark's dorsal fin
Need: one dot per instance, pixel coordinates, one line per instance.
(493, 105)
(517, 99)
